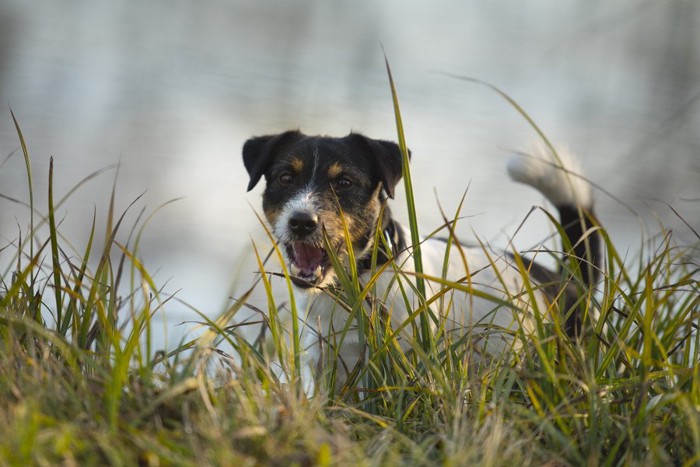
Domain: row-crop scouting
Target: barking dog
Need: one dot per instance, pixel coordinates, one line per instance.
(326, 193)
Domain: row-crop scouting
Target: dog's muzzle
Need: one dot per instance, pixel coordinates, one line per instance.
(308, 257)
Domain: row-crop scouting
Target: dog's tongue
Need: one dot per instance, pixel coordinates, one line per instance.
(307, 257)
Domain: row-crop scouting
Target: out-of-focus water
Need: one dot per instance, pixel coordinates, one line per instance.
(171, 89)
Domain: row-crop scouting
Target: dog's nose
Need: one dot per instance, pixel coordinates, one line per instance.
(303, 223)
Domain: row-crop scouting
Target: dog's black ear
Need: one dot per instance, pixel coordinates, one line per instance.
(258, 153)
(387, 157)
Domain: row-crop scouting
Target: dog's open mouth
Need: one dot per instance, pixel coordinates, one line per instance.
(309, 262)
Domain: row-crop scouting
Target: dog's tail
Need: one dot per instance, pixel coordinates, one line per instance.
(559, 178)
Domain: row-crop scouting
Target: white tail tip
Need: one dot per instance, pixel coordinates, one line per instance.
(559, 177)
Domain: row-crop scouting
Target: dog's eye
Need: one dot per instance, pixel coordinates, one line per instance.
(343, 182)
(285, 178)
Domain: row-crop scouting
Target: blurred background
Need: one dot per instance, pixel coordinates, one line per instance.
(170, 90)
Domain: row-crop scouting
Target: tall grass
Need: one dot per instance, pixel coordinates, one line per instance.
(81, 384)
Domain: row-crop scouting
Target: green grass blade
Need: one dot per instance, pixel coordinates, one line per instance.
(30, 184)
(55, 260)
(426, 332)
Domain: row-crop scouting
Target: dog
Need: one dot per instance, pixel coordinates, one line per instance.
(326, 200)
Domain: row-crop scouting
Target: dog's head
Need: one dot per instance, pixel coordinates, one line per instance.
(310, 181)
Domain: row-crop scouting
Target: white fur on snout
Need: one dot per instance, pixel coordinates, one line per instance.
(304, 201)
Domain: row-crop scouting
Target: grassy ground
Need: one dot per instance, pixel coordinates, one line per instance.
(80, 383)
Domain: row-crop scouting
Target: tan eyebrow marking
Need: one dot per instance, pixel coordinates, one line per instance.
(297, 164)
(334, 170)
